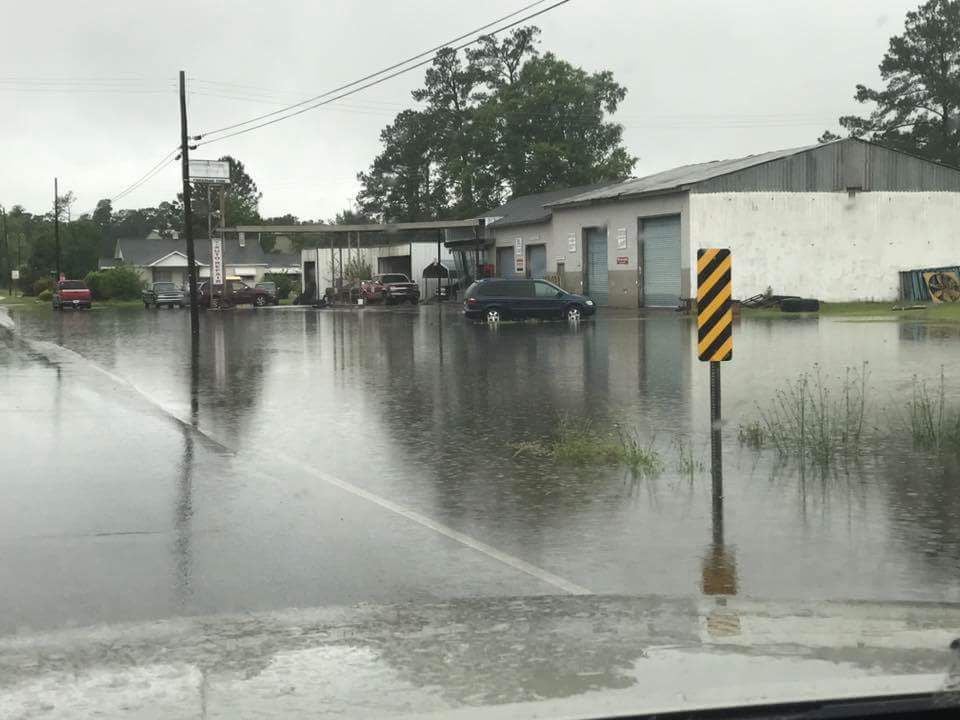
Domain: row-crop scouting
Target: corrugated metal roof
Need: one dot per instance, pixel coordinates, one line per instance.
(531, 208)
(680, 177)
(144, 251)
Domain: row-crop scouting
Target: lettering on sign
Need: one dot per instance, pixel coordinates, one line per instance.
(621, 239)
(714, 305)
(623, 260)
(518, 255)
(572, 242)
(14, 274)
(216, 261)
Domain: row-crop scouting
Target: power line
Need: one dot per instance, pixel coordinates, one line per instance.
(395, 65)
(372, 83)
(164, 161)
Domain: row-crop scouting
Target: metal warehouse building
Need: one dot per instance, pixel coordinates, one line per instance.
(836, 221)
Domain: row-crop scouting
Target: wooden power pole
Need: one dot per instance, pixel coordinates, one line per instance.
(187, 218)
(56, 227)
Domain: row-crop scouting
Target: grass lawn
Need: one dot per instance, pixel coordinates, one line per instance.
(946, 312)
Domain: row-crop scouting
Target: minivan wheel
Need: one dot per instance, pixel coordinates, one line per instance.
(573, 313)
(493, 315)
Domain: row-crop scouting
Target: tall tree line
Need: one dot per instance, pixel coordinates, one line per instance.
(498, 120)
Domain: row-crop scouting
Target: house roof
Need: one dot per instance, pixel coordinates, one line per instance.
(528, 209)
(679, 177)
(147, 251)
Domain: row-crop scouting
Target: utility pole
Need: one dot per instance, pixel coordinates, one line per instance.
(6, 251)
(56, 226)
(187, 218)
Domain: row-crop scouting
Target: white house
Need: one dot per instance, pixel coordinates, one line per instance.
(159, 259)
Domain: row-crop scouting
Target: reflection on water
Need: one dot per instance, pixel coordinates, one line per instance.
(423, 408)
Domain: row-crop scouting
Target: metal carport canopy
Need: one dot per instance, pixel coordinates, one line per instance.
(373, 227)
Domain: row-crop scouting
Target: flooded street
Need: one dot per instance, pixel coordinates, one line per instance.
(346, 456)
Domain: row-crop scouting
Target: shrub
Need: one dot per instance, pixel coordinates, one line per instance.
(119, 283)
(41, 284)
(284, 282)
(45, 295)
(356, 270)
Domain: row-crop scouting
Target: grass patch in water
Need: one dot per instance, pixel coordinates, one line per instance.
(933, 425)
(687, 464)
(579, 442)
(813, 420)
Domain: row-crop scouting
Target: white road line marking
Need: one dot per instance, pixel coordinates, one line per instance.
(446, 531)
(412, 515)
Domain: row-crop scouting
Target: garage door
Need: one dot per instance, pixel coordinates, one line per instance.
(505, 262)
(598, 278)
(394, 264)
(537, 261)
(661, 261)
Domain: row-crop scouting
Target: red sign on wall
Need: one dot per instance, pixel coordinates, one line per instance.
(622, 260)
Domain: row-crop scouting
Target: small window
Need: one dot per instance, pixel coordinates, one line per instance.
(546, 290)
(162, 276)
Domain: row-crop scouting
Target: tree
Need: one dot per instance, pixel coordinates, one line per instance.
(504, 120)
(103, 214)
(554, 129)
(827, 136)
(917, 110)
(351, 216)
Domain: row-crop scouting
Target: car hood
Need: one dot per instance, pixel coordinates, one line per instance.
(525, 657)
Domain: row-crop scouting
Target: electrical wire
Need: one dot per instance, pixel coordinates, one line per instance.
(391, 67)
(153, 171)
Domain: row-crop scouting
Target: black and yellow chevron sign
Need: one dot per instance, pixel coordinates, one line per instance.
(714, 305)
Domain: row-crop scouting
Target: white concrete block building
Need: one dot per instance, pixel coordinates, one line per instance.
(836, 221)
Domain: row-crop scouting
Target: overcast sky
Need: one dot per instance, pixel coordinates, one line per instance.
(88, 90)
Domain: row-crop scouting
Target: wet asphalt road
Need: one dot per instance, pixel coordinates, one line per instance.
(347, 456)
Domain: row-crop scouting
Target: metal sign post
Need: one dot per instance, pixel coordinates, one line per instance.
(715, 340)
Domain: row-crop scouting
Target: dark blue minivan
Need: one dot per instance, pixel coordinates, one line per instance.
(497, 299)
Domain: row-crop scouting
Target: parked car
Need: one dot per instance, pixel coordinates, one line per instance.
(163, 293)
(390, 288)
(497, 299)
(270, 287)
(236, 292)
(71, 293)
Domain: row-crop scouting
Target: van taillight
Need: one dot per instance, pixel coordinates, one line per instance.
(472, 301)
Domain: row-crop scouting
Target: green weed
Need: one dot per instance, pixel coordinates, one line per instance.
(933, 426)
(812, 420)
(576, 441)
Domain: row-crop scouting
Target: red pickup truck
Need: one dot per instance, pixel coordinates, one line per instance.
(71, 293)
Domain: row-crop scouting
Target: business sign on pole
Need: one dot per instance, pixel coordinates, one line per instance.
(216, 261)
(518, 257)
(212, 172)
(714, 305)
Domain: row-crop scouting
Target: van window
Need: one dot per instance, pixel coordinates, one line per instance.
(546, 290)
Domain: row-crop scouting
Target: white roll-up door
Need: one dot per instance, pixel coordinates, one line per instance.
(661, 261)
(598, 275)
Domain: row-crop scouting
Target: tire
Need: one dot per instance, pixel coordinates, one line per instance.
(492, 315)
(259, 301)
(573, 313)
(799, 305)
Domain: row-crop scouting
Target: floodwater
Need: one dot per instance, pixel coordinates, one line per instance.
(332, 457)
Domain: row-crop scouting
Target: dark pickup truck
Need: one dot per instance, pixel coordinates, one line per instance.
(71, 293)
(163, 293)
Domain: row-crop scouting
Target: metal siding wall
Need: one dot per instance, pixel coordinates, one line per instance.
(836, 166)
